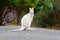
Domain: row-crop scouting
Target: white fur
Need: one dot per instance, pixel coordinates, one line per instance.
(26, 20)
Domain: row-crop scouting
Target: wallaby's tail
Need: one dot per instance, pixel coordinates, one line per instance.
(22, 28)
(14, 30)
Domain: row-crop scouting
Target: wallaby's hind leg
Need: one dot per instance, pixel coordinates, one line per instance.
(28, 28)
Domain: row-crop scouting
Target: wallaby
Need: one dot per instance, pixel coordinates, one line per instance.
(26, 20)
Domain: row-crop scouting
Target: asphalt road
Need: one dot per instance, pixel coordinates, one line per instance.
(38, 34)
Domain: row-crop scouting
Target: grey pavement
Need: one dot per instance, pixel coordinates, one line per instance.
(38, 34)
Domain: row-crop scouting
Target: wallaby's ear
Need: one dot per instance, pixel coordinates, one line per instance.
(29, 8)
(32, 8)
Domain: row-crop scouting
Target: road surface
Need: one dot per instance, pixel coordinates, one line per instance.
(38, 34)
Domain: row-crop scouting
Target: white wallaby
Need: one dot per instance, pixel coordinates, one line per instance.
(27, 20)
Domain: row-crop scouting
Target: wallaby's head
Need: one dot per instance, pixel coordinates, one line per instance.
(31, 10)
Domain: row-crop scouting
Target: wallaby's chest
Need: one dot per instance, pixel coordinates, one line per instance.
(28, 17)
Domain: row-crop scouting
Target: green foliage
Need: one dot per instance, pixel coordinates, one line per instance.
(42, 12)
(29, 3)
(44, 5)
